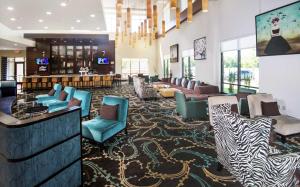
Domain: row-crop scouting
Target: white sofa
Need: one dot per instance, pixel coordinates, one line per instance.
(285, 126)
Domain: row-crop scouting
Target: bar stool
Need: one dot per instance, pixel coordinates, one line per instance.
(35, 83)
(76, 81)
(87, 81)
(96, 80)
(107, 79)
(54, 80)
(44, 83)
(118, 79)
(65, 81)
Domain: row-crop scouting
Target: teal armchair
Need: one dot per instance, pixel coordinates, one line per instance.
(190, 109)
(56, 102)
(84, 96)
(99, 129)
(45, 97)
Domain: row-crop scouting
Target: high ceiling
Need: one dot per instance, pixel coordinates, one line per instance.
(53, 15)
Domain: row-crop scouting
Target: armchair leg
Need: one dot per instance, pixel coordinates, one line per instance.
(126, 132)
(219, 166)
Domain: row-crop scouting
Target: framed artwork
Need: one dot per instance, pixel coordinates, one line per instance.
(200, 49)
(174, 53)
(278, 31)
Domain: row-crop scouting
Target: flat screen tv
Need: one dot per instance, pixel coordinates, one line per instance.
(102, 60)
(42, 61)
(278, 31)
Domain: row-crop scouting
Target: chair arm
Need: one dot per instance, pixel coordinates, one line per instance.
(290, 161)
(46, 98)
(195, 105)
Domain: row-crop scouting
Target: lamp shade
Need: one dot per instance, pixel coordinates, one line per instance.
(177, 18)
(204, 5)
(173, 4)
(149, 10)
(190, 11)
(163, 28)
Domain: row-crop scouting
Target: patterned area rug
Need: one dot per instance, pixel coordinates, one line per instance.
(159, 150)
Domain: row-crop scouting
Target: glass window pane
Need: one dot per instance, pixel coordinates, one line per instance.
(125, 69)
(135, 65)
(249, 68)
(144, 66)
(230, 70)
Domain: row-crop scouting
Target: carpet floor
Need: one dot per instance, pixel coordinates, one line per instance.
(159, 150)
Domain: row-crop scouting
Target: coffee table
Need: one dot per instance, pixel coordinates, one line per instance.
(167, 92)
(36, 110)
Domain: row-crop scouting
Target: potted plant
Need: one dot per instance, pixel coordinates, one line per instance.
(231, 80)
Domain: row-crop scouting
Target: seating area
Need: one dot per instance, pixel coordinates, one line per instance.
(151, 93)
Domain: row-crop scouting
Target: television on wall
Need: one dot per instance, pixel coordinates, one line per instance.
(102, 60)
(42, 61)
(278, 31)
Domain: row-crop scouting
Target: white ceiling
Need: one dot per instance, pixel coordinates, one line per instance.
(27, 14)
(9, 45)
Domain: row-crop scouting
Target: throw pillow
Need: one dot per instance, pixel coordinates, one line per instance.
(52, 92)
(109, 112)
(234, 108)
(184, 83)
(270, 109)
(191, 85)
(63, 96)
(178, 82)
(74, 102)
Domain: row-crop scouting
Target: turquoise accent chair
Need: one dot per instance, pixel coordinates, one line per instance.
(99, 129)
(84, 96)
(190, 109)
(56, 102)
(46, 97)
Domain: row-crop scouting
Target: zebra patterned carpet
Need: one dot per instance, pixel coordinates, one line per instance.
(159, 150)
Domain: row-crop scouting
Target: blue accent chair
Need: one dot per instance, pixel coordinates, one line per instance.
(56, 102)
(46, 97)
(84, 96)
(99, 129)
(8, 96)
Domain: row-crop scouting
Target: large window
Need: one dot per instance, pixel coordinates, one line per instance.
(134, 66)
(240, 66)
(167, 67)
(188, 64)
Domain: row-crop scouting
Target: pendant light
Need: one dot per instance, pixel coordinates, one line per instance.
(125, 28)
(150, 39)
(155, 17)
(177, 18)
(139, 32)
(128, 17)
(142, 29)
(190, 11)
(118, 22)
(163, 29)
(204, 5)
(119, 10)
(150, 24)
(173, 4)
(149, 10)
(119, 2)
(145, 28)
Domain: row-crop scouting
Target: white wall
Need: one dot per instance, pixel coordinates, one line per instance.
(204, 24)
(229, 19)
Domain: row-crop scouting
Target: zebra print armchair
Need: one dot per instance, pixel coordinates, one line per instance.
(243, 149)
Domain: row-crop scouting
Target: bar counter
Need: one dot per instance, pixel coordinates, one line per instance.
(38, 82)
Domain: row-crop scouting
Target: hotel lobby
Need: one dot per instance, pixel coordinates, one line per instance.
(150, 93)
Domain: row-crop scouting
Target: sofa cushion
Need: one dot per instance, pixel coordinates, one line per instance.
(270, 109)
(206, 89)
(191, 85)
(74, 102)
(173, 80)
(52, 92)
(109, 112)
(184, 83)
(178, 81)
(63, 96)
(286, 125)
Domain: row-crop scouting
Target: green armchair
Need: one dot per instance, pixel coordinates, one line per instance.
(190, 109)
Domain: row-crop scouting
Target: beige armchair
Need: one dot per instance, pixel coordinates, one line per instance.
(285, 126)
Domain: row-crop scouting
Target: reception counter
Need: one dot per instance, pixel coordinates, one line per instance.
(36, 82)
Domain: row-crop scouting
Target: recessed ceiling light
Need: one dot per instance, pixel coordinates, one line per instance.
(72, 28)
(45, 27)
(63, 4)
(12, 19)
(98, 28)
(48, 13)
(41, 21)
(92, 15)
(19, 27)
(10, 8)
(15, 44)
(78, 21)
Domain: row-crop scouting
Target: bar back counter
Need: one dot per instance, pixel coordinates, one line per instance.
(79, 81)
(41, 151)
